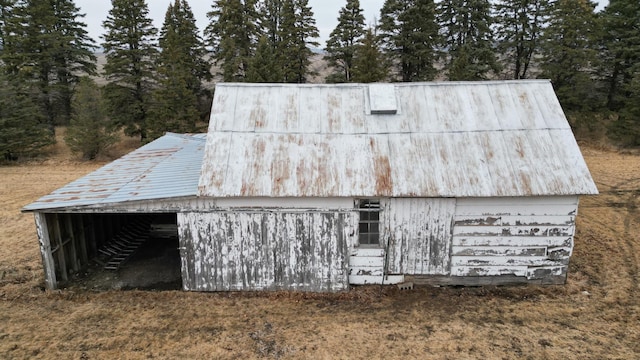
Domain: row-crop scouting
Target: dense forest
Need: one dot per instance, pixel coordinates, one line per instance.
(156, 79)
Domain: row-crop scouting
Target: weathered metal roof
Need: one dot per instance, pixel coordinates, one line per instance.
(450, 139)
(168, 167)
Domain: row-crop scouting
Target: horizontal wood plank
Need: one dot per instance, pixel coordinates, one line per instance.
(366, 261)
(488, 270)
(486, 261)
(546, 271)
(513, 230)
(495, 210)
(365, 279)
(517, 220)
(559, 252)
(498, 251)
(369, 271)
(364, 251)
(526, 241)
(507, 279)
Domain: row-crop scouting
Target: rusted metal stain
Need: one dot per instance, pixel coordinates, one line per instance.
(382, 171)
(439, 144)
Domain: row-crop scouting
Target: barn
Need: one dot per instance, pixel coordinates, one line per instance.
(319, 187)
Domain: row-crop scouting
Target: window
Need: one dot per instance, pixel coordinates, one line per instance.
(369, 227)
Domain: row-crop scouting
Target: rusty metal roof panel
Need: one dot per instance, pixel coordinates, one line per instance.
(168, 167)
(452, 139)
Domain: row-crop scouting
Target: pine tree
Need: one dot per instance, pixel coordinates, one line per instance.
(620, 68)
(519, 24)
(270, 14)
(89, 133)
(233, 35)
(620, 49)
(48, 46)
(298, 28)
(181, 66)
(467, 40)
(22, 128)
(410, 35)
(130, 68)
(264, 67)
(6, 12)
(343, 40)
(568, 54)
(369, 63)
(626, 129)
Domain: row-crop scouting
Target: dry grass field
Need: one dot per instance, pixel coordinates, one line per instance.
(596, 315)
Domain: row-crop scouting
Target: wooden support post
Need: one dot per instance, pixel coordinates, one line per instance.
(59, 247)
(45, 250)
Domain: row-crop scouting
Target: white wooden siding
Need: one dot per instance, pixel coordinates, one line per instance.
(527, 237)
(419, 235)
(366, 265)
(265, 250)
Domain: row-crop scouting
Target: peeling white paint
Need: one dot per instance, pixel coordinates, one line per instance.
(228, 250)
(526, 237)
(419, 233)
(45, 250)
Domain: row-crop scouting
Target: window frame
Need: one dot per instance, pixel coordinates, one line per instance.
(371, 223)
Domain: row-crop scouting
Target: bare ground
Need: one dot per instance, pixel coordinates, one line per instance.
(594, 316)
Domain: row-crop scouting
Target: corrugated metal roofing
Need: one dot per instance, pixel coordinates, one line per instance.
(168, 167)
(452, 139)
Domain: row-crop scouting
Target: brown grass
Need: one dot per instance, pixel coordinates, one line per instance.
(595, 316)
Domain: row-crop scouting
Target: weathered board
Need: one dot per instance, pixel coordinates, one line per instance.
(265, 250)
(419, 233)
(45, 250)
(530, 238)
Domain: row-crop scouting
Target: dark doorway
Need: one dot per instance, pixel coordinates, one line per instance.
(141, 254)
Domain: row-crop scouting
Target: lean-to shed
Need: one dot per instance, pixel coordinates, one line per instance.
(316, 187)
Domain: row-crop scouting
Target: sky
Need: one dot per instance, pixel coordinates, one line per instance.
(325, 11)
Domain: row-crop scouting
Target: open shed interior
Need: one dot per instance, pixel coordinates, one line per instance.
(115, 250)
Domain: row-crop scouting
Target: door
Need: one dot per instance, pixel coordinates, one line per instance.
(419, 235)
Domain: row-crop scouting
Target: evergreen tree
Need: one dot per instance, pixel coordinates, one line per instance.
(264, 66)
(467, 39)
(369, 63)
(620, 49)
(410, 36)
(568, 54)
(130, 68)
(181, 67)
(519, 24)
(298, 28)
(6, 12)
(47, 45)
(626, 129)
(89, 134)
(342, 42)
(22, 131)
(233, 34)
(270, 14)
